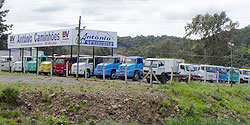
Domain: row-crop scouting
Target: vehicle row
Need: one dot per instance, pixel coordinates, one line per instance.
(133, 67)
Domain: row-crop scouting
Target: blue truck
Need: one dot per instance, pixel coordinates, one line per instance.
(111, 64)
(134, 68)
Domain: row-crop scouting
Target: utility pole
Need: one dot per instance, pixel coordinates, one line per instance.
(78, 48)
(231, 45)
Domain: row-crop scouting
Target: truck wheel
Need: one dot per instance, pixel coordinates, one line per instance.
(164, 78)
(148, 80)
(88, 74)
(112, 75)
(136, 76)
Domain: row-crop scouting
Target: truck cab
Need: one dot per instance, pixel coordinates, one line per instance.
(60, 64)
(89, 64)
(6, 63)
(208, 72)
(134, 68)
(45, 67)
(18, 64)
(185, 68)
(222, 73)
(163, 68)
(31, 65)
(235, 76)
(244, 75)
(111, 64)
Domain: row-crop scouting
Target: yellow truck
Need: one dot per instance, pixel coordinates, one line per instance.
(45, 67)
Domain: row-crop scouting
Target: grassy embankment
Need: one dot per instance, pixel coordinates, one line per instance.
(118, 103)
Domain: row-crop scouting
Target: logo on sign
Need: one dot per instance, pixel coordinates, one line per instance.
(65, 35)
(12, 39)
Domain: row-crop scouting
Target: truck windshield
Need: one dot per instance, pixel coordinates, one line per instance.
(29, 59)
(82, 60)
(60, 61)
(211, 69)
(129, 60)
(245, 72)
(151, 62)
(222, 70)
(235, 71)
(108, 60)
(191, 67)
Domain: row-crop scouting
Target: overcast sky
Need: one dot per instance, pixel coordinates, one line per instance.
(126, 17)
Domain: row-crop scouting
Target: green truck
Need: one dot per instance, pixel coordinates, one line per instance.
(235, 76)
(31, 65)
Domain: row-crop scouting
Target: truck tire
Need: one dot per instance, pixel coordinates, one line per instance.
(88, 74)
(164, 79)
(112, 75)
(136, 76)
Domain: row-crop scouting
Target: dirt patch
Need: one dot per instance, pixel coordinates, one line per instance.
(120, 106)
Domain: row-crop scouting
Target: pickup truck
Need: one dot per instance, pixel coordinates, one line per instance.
(134, 68)
(111, 64)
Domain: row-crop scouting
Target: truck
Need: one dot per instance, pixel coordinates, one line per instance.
(88, 61)
(60, 64)
(45, 67)
(208, 73)
(235, 76)
(185, 69)
(244, 75)
(163, 67)
(222, 73)
(111, 65)
(31, 65)
(6, 63)
(18, 64)
(134, 68)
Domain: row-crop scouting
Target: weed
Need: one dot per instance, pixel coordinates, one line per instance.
(49, 120)
(45, 97)
(166, 103)
(9, 94)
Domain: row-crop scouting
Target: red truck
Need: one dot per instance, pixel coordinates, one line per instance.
(60, 64)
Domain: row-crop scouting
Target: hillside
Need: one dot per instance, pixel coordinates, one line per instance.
(97, 102)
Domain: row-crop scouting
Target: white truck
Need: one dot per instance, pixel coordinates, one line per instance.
(163, 68)
(244, 75)
(18, 64)
(6, 63)
(208, 72)
(192, 69)
(89, 64)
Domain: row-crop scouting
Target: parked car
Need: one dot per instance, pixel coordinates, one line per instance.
(89, 64)
(31, 65)
(134, 68)
(111, 64)
(60, 64)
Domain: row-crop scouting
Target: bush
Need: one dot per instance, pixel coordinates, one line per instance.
(9, 94)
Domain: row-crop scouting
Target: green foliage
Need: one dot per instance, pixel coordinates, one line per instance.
(166, 103)
(9, 94)
(49, 120)
(45, 97)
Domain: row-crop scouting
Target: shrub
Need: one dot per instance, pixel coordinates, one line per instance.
(9, 95)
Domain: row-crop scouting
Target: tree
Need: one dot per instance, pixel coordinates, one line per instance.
(214, 31)
(3, 27)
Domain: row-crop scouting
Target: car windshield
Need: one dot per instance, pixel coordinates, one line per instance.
(151, 62)
(129, 60)
(211, 69)
(245, 72)
(82, 60)
(60, 61)
(222, 70)
(108, 60)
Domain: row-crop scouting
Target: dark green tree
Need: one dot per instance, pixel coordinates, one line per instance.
(214, 31)
(3, 27)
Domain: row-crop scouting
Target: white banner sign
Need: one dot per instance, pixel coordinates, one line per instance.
(97, 38)
(41, 39)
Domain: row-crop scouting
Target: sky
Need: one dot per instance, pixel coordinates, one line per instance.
(126, 17)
